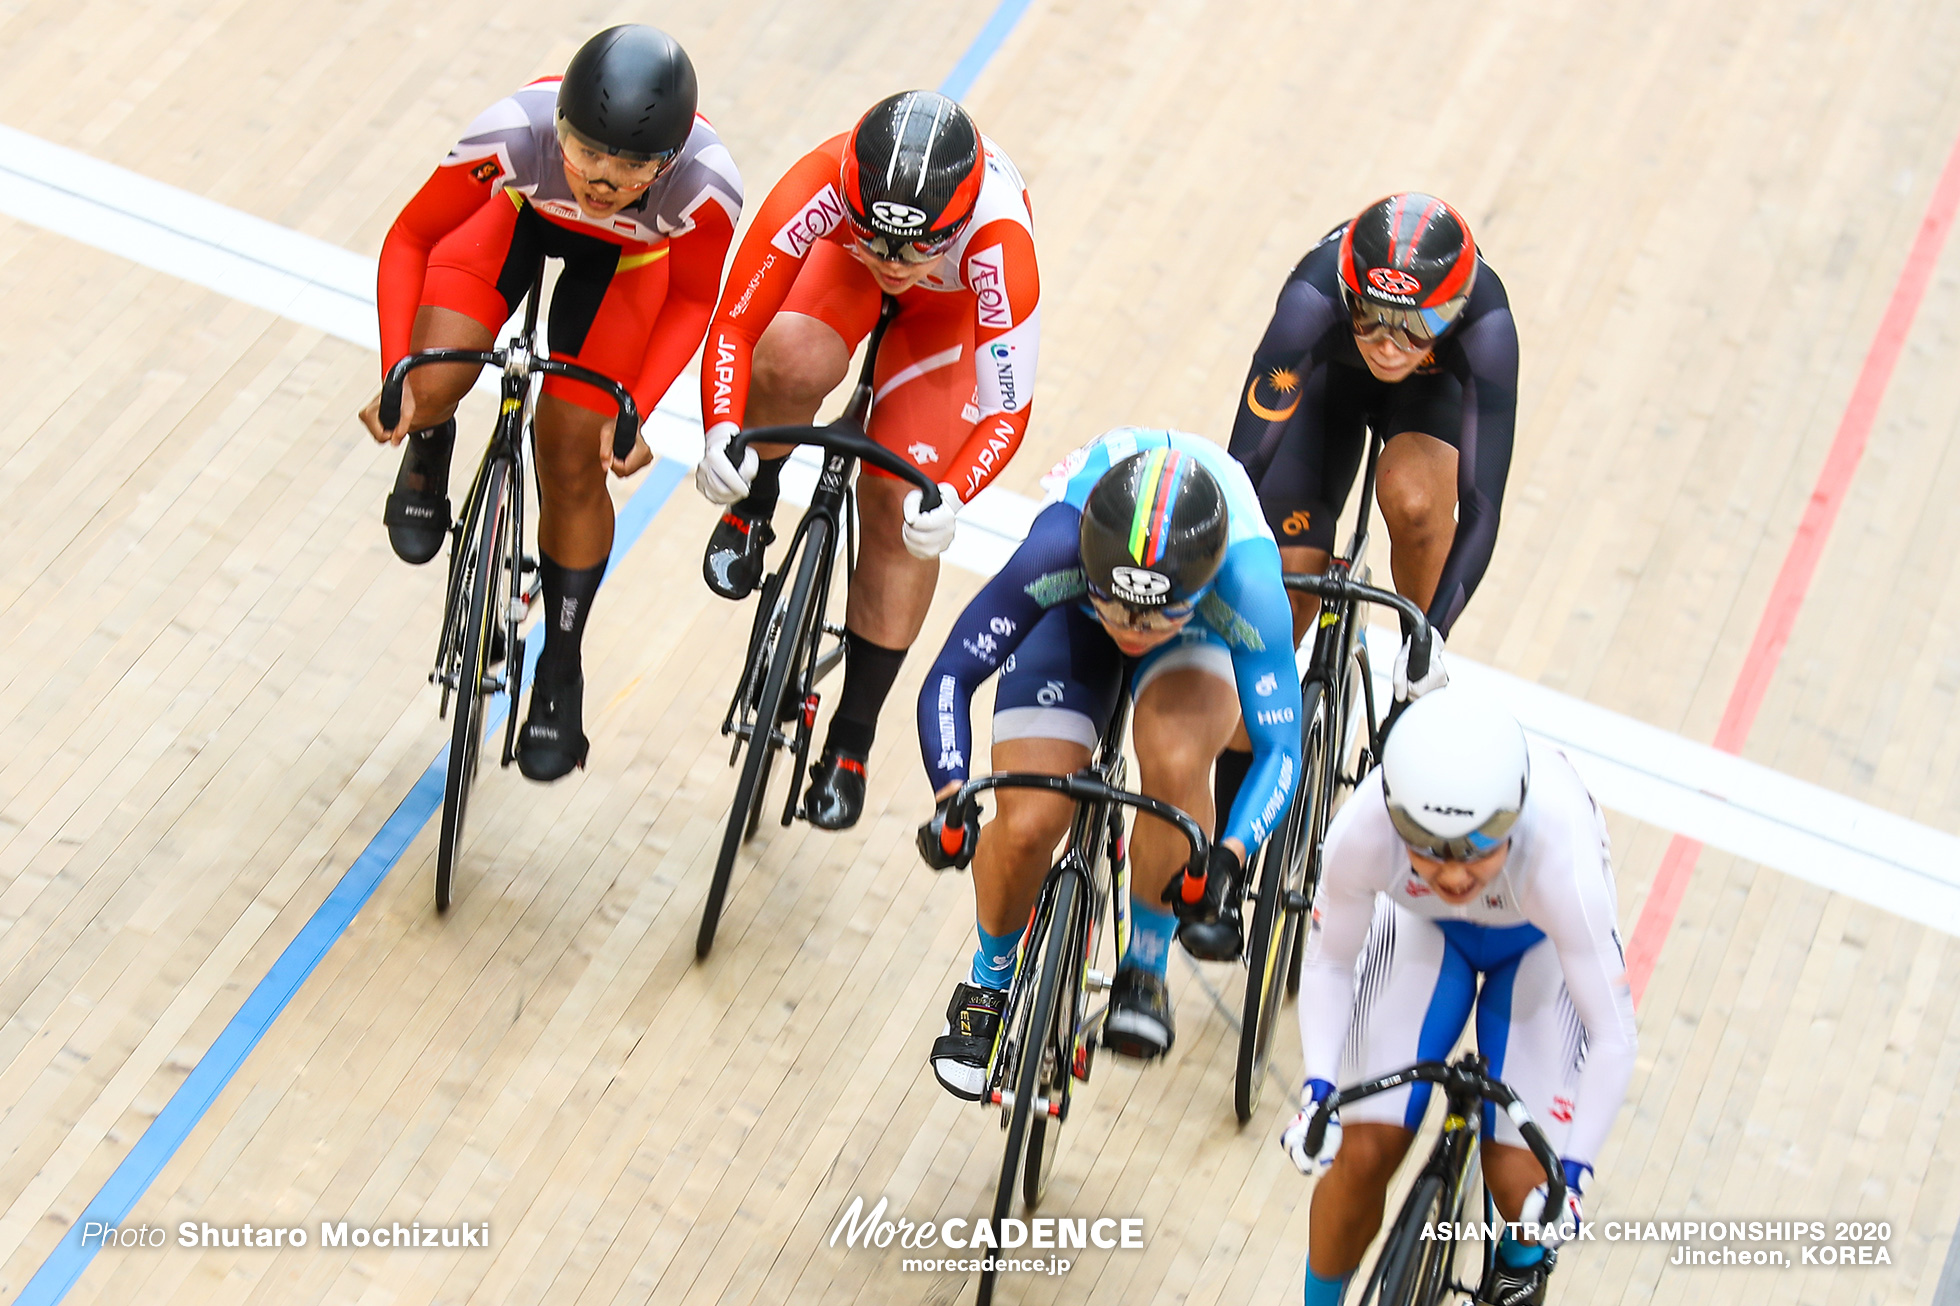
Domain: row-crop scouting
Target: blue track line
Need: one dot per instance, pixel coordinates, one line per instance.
(984, 47)
(222, 1060)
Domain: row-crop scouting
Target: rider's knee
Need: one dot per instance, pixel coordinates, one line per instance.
(1028, 831)
(1372, 1154)
(793, 364)
(1415, 503)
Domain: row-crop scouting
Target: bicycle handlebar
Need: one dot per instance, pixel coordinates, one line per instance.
(625, 432)
(840, 436)
(1083, 784)
(1338, 586)
(1467, 1078)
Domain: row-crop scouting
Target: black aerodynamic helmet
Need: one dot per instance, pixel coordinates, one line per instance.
(911, 174)
(1154, 530)
(1408, 262)
(630, 91)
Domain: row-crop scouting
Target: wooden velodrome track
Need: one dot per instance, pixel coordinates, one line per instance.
(212, 697)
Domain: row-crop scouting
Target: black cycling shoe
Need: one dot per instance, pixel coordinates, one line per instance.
(1139, 1023)
(552, 741)
(733, 564)
(835, 798)
(961, 1052)
(417, 512)
(1519, 1286)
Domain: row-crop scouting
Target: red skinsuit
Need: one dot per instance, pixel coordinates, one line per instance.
(636, 315)
(981, 302)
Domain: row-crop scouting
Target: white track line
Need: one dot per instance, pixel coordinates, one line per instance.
(1765, 816)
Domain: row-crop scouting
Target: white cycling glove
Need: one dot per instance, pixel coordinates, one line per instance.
(1438, 675)
(928, 533)
(1293, 1140)
(1567, 1228)
(718, 479)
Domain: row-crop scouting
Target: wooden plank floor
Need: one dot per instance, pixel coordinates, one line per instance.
(211, 686)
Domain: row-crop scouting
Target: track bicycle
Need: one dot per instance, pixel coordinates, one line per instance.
(1048, 1037)
(1340, 737)
(1414, 1270)
(492, 581)
(775, 702)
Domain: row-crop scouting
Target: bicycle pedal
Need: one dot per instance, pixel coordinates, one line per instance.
(1096, 982)
(1295, 900)
(527, 564)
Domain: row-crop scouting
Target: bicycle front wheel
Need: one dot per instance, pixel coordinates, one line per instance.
(764, 730)
(478, 583)
(1040, 1036)
(1275, 925)
(1405, 1273)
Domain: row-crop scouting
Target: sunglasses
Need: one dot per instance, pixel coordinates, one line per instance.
(892, 249)
(1480, 842)
(1142, 621)
(620, 169)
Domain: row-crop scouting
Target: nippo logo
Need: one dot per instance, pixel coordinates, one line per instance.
(1138, 585)
(1393, 281)
(902, 216)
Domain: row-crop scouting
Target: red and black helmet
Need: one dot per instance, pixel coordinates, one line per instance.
(1408, 262)
(911, 175)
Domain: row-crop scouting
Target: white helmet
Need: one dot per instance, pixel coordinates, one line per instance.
(1454, 772)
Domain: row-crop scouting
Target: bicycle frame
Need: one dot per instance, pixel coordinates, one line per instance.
(1095, 827)
(789, 621)
(1466, 1086)
(486, 549)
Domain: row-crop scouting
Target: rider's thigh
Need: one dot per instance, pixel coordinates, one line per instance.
(1372, 1151)
(1416, 483)
(1422, 992)
(1184, 715)
(926, 395)
(1525, 1014)
(440, 387)
(798, 361)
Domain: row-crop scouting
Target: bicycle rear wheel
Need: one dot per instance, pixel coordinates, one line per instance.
(1039, 1037)
(1275, 925)
(764, 734)
(481, 571)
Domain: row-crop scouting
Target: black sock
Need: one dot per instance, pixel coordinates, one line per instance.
(1225, 781)
(868, 675)
(764, 490)
(427, 460)
(567, 601)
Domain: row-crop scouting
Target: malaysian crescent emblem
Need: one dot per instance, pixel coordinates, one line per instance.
(1282, 380)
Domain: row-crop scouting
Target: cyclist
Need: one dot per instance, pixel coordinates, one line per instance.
(610, 170)
(1469, 851)
(1152, 562)
(1394, 323)
(912, 202)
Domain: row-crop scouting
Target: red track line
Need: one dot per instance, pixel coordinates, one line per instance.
(1800, 563)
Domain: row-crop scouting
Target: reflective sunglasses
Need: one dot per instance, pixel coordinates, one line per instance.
(1480, 842)
(893, 249)
(1143, 621)
(1412, 330)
